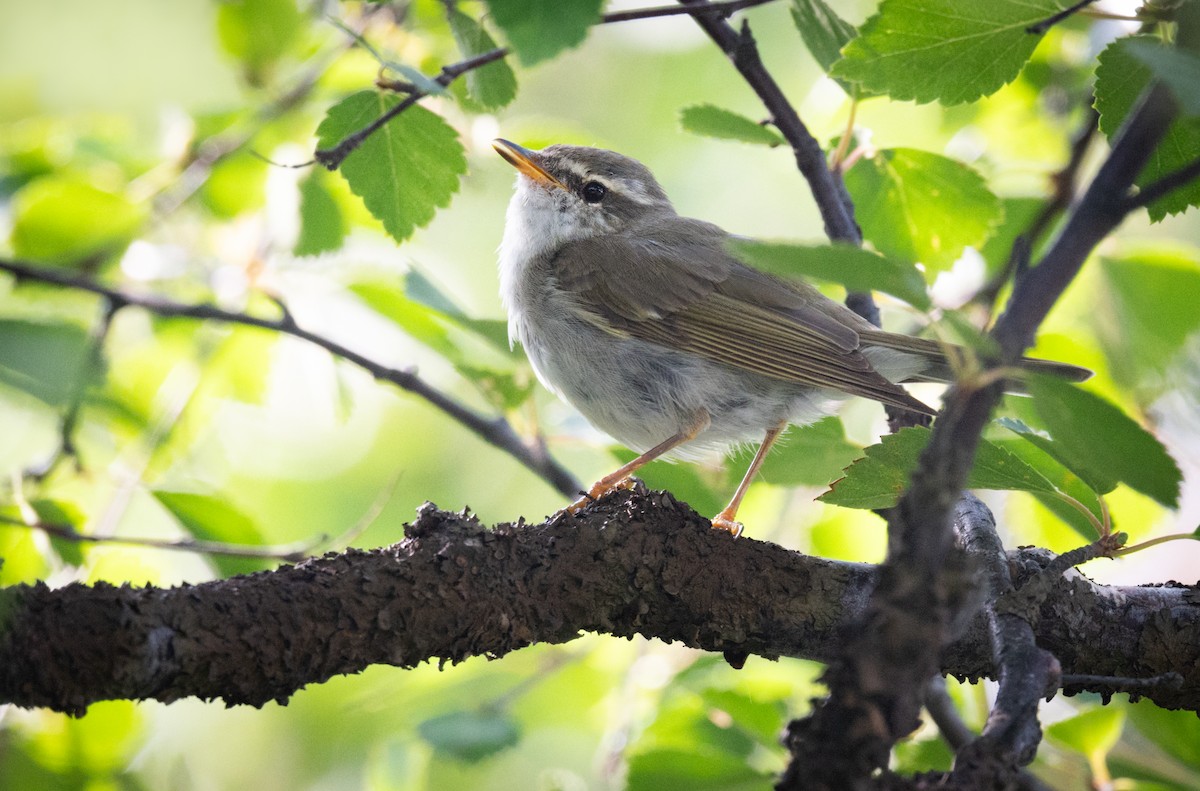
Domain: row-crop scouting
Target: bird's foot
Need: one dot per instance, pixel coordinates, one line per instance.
(598, 490)
(728, 524)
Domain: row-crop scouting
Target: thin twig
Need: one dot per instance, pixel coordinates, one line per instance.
(90, 363)
(721, 10)
(495, 431)
(1168, 183)
(1049, 22)
(332, 158)
(288, 553)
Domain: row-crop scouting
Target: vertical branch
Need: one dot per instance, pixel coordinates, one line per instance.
(877, 684)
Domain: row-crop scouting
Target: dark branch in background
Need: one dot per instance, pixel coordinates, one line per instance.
(877, 685)
(495, 431)
(89, 366)
(739, 47)
(332, 158)
(1098, 213)
(1063, 192)
(636, 562)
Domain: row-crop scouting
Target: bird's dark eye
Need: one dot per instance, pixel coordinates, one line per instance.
(594, 192)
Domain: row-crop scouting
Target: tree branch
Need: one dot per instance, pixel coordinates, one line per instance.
(634, 563)
(877, 684)
(496, 431)
(332, 158)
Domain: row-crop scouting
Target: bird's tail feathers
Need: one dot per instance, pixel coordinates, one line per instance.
(940, 369)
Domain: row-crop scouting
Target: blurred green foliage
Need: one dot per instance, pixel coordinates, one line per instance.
(142, 144)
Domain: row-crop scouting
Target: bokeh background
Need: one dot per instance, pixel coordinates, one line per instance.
(295, 445)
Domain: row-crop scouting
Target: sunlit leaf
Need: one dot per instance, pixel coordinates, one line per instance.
(852, 267)
(918, 206)
(1180, 70)
(470, 735)
(422, 289)
(258, 32)
(474, 354)
(539, 29)
(322, 226)
(711, 121)
(62, 219)
(42, 359)
(1092, 733)
(1104, 440)
(879, 478)
(404, 171)
(1120, 79)
(65, 514)
(950, 51)
(1153, 310)
(811, 455)
(489, 87)
(693, 770)
(235, 185)
(824, 33)
(209, 518)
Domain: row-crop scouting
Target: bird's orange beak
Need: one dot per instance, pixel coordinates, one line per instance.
(525, 161)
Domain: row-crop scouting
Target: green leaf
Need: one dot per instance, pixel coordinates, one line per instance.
(235, 185)
(322, 226)
(1152, 311)
(711, 121)
(489, 87)
(917, 206)
(258, 32)
(475, 355)
(1179, 70)
(1101, 437)
(1120, 79)
(65, 220)
(42, 358)
(879, 478)
(1095, 479)
(950, 51)
(60, 512)
(539, 29)
(422, 289)
(824, 33)
(470, 735)
(1092, 733)
(852, 267)
(404, 171)
(209, 518)
(1175, 732)
(693, 770)
(811, 455)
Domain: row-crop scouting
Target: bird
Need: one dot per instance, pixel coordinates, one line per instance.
(646, 323)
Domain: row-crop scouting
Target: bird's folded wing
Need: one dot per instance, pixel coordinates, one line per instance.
(680, 289)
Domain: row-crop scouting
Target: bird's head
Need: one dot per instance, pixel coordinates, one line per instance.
(575, 192)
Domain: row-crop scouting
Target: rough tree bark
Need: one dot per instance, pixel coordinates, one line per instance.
(635, 563)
